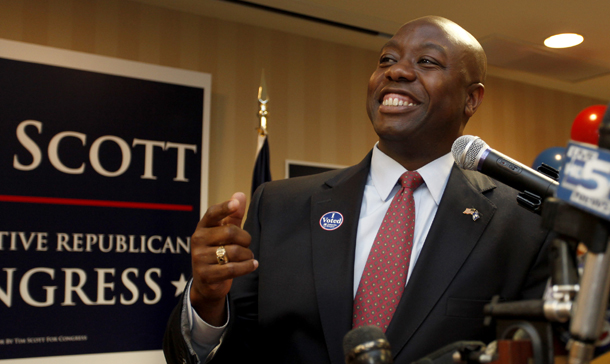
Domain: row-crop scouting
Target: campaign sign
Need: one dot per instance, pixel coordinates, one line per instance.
(101, 180)
(584, 180)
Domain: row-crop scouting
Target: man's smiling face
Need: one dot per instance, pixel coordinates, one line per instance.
(420, 89)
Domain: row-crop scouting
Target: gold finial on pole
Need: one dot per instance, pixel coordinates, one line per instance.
(263, 98)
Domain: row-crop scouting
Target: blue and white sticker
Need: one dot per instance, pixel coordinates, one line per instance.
(331, 220)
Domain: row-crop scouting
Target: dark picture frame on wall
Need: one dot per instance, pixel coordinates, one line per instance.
(295, 168)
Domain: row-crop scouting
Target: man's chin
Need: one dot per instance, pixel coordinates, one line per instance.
(395, 130)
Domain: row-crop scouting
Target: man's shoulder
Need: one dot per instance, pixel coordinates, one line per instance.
(501, 195)
(487, 185)
(310, 182)
(320, 181)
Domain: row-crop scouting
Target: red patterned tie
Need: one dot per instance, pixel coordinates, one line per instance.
(385, 273)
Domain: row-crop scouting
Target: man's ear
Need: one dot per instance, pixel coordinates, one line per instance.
(474, 98)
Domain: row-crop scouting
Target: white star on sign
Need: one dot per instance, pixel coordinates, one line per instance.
(180, 285)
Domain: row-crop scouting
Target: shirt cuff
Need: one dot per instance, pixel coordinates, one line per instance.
(205, 338)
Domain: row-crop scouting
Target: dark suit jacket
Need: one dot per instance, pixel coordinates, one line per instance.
(297, 307)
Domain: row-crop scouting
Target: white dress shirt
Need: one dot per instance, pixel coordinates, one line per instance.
(381, 186)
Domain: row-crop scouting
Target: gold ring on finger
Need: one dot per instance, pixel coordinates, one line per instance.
(221, 255)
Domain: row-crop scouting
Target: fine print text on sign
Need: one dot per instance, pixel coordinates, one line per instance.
(585, 179)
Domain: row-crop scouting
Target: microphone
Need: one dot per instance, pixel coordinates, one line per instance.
(472, 153)
(367, 345)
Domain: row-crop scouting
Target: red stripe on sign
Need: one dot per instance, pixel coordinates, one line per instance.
(96, 203)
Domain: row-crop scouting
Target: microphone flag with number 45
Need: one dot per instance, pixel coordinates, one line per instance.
(584, 180)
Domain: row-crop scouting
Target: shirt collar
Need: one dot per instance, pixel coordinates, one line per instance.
(385, 173)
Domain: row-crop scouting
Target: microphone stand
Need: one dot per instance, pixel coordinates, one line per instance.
(592, 301)
(587, 314)
(590, 308)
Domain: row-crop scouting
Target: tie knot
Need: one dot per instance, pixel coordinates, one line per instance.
(411, 180)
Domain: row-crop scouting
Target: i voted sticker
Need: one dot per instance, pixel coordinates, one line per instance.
(331, 220)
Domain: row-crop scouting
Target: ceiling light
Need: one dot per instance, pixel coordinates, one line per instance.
(564, 40)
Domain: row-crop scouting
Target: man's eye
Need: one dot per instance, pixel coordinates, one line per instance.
(386, 59)
(427, 61)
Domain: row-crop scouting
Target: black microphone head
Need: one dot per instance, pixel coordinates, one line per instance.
(467, 151)
(366, 343)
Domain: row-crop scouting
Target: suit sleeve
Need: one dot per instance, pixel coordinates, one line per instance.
(240, 341)
(538, 276)
(177, 336)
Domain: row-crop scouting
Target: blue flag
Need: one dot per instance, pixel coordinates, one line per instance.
(262, 171)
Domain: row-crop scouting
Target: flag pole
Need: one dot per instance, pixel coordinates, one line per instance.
(263, 98)
(262, 170)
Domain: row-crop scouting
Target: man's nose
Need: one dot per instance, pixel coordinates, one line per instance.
(401, 71)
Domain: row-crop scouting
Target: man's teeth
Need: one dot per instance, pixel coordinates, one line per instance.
(396, 102)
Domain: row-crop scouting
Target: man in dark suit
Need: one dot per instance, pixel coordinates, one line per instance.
(298, 305)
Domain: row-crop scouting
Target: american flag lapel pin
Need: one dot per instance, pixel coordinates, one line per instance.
(472, 211)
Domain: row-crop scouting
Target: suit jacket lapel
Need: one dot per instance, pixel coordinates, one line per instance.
(450, 240)
(333, 253)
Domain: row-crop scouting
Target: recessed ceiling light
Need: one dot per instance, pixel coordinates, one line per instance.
(564, 40)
